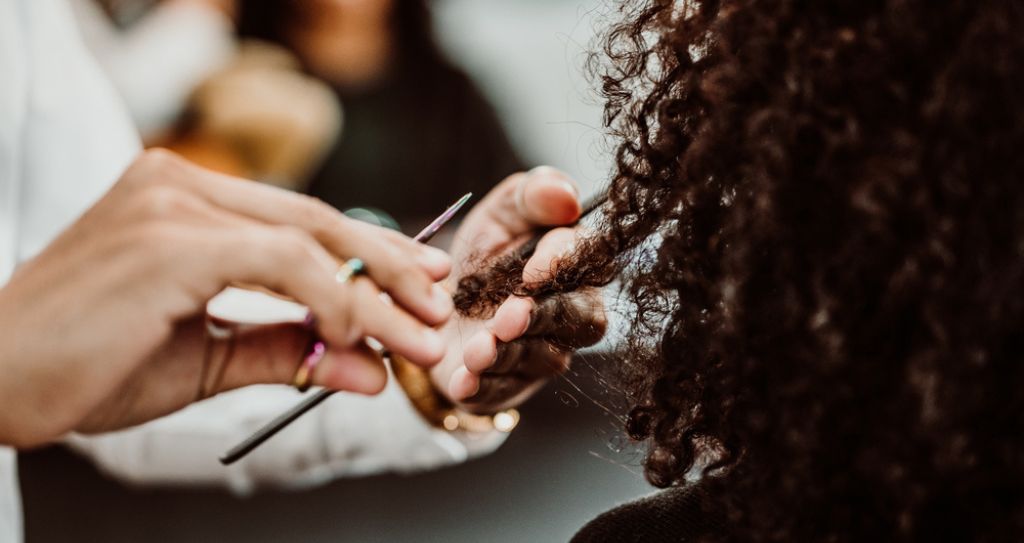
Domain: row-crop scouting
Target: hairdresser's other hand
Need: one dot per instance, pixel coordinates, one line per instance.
(497, 363)
(103, 329)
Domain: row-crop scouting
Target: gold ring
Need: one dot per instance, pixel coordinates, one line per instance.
(304, 375)
(351, 268)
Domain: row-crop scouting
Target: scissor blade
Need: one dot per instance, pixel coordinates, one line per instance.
(434, 227)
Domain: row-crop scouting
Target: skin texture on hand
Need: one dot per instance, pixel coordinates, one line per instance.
(497, 363)
(104, 329)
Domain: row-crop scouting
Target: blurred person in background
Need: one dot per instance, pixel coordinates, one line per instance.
(128, 279)
(242, 109)
(157, 52)
(259, 117)
(414, 123)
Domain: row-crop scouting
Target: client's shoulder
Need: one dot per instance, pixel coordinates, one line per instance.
(681, 513)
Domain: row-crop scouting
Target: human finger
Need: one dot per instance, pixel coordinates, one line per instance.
(272, 354)
(550, 250)
(494, 393)
(289, 262)
(524, 201)
(480, 351)
(570, 320)
(510, 321)
(463, 384)
(395, 329)
(529, 359)
(512, 318)
(547, 197)
(405, 269)
(359, 369)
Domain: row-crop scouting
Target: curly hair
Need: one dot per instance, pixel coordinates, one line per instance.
(818, 210)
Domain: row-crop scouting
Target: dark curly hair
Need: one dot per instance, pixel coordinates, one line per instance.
(819, 213)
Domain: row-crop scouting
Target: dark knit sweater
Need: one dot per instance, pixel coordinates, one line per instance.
(675, 514)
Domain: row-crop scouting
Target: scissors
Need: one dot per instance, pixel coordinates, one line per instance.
(282, 421)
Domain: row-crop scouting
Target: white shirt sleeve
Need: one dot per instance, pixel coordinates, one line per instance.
(347, 435)
(157, 63)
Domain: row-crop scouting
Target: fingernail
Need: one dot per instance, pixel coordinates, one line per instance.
(546, 170)
(454, 381)
(490, 323)
(559, 178)
(570, 188)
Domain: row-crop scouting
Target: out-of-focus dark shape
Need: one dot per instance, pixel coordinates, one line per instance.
(416, 128)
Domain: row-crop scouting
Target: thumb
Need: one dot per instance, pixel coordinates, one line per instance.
(547, 197)
(518, 205)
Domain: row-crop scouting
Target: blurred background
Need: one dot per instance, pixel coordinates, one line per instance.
(388, 109)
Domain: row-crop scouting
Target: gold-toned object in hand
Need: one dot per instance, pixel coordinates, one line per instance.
(304, 375)
(441, 412)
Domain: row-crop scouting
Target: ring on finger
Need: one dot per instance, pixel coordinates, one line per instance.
(351, 268)
(303, 378)
(304, 375)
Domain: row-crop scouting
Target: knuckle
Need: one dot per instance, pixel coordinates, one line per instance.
(159, 156)
(348, 319)
(365, 293)
(293, 244)
(158, 163)
(162, 202)
(392, 269)
(395, 238)
(407, 271)
(325, 219)
(344, 321)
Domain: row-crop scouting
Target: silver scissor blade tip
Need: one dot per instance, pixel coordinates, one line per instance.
(432, 228)
(462, 201)
(454, 208)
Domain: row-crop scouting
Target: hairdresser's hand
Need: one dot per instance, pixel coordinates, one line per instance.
(104, 328)
(496, 363)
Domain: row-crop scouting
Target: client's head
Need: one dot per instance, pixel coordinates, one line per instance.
(830, 321)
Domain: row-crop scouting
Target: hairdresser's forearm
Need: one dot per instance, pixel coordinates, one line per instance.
(32, 410)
